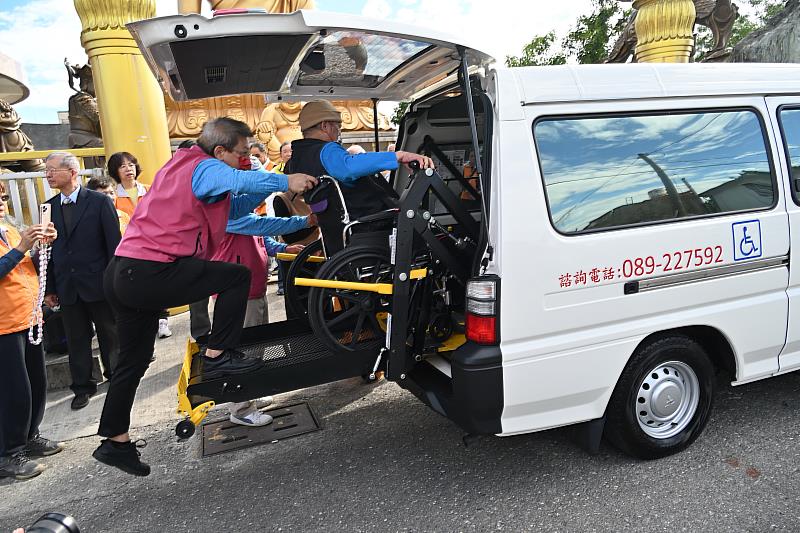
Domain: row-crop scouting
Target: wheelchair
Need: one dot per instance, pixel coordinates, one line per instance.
(397, 275)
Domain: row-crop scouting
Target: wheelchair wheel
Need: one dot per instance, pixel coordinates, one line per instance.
(297, 297)
(345, 318)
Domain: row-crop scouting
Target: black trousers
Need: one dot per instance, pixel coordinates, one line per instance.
(23, 391)
(78, 318)
(138, 290)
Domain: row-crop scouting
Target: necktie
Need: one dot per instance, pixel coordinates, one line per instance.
(66, 207)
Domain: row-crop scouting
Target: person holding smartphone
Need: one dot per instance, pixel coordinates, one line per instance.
(23, 379)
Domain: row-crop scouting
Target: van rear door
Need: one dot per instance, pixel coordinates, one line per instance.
(304, 55)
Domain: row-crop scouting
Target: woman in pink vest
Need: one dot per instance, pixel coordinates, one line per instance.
(163, 261)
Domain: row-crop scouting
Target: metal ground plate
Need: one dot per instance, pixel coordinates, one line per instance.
(288, 421)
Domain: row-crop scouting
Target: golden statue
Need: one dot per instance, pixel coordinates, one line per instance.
(272, 6)
(272, 124)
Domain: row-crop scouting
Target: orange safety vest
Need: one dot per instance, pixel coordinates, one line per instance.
(124, 202)
(19, 289)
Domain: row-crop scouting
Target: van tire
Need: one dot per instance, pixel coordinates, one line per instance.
(669, 370)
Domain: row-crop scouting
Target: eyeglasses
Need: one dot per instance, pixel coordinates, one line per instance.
(5, 197)
(48, 171)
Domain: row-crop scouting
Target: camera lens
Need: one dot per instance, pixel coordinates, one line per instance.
(54, 523)
(180, 31)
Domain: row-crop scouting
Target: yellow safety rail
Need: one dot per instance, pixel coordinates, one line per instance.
(41, 154)
(380, 288)
(283, 256)
(194, 414)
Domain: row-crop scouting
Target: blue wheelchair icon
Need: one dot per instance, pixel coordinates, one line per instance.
(746, 240)
(747, 244)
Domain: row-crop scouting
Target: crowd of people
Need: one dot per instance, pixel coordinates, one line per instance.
(122, 253)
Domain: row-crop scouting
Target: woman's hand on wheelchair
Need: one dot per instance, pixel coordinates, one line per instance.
(294, 248)
(408, 157)
(311, 220)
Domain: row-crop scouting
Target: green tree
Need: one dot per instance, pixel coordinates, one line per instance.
(399, 111)
(539, 51)
(593, 35)
(589, 41)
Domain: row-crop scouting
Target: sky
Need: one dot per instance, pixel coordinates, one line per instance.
(39, 34)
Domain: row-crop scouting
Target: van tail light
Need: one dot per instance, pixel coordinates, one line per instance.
(482, 310)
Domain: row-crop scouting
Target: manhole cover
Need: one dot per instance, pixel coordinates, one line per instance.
(288, 421)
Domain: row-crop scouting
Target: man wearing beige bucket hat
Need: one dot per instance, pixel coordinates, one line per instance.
(319, 153)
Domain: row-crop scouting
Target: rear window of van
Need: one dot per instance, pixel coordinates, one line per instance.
(605, 172)
(790, 125)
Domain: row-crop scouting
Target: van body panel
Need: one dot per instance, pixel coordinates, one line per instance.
(575, 83)
(790, 356)
(564, 347)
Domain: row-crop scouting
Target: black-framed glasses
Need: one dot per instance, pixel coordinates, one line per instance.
(5, 197)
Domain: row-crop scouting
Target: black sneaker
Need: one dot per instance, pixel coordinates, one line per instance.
(19, 466)
(39, 446)
(227, 363)
(123, 455)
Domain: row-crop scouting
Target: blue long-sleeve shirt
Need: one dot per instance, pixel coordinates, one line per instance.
(212, 179)
(252, 224)
(10, 260)
(348, 168)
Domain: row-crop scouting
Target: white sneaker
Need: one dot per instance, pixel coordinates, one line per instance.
(251, 418)
(163, 329)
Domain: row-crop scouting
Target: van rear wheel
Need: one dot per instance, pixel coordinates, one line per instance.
(663, 398)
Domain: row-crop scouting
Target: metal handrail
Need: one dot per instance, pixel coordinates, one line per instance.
(33, 184)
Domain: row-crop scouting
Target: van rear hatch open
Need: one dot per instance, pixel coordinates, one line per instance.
(302, 55)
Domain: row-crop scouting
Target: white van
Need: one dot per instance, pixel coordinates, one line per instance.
(635, 222)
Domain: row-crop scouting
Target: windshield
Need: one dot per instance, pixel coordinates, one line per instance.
(356, 59)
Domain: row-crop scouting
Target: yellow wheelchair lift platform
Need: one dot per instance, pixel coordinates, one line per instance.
(293, 359)
(192, 416)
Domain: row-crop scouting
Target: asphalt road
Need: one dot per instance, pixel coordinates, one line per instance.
(385, 462)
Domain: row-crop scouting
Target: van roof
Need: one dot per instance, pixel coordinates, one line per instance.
(564, 83)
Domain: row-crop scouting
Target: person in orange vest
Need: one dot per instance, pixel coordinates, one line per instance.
(104, 186)
(23, 379)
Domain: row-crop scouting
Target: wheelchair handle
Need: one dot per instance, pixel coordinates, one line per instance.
(414, 165)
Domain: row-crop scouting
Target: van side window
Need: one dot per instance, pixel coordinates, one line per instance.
(605, 172)
(790, 124)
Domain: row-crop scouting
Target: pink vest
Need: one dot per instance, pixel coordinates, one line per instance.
(169, 221)
(249, 251)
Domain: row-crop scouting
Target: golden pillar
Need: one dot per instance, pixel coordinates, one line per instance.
(664, 30)
(130, 101)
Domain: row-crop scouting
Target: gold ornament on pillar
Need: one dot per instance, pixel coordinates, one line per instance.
(129, 100)
(664, 30)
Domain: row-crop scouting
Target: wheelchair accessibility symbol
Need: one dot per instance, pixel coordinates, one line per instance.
(746, 240)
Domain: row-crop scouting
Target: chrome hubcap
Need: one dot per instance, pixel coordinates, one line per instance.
(667, 399)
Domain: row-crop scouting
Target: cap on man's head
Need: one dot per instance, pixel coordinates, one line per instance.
(319, 111)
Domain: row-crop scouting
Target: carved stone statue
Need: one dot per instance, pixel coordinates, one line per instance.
(13, 139)
(84, 119)
(777, 42)
(717, 15)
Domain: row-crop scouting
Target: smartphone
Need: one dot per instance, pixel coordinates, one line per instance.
(44, 214)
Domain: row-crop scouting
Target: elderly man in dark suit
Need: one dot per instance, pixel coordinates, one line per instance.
(88, 223)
